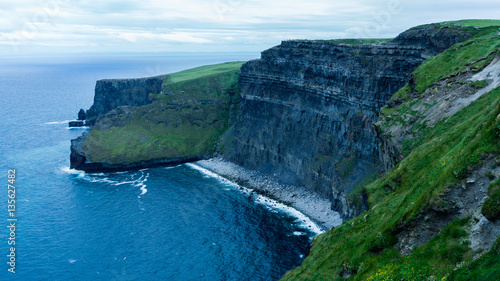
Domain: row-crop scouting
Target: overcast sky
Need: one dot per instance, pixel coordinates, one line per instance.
(41, 27)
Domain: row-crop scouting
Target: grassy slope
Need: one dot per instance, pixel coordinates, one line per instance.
(358, 41)
(364, 41)
(186, 122)
(472, 54)
(364, 245)
(458, 58)
(477, 23)
(202, 71)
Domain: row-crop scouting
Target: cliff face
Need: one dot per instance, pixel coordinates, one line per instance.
(307, 111)
(434, 39)
(112, 93)
(182, 124)
(436, 214)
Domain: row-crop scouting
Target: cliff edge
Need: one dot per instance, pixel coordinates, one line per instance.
(307, 109)
(180, 123)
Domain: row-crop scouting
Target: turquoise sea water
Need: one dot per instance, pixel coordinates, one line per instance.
(173, 223)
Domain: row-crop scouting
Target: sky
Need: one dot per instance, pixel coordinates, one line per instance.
(49, 27)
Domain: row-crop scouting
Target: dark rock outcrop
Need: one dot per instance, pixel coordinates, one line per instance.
(112, 93)
(308, 106)
(433, 38)
(76, 159)
(77, 123)
(82, 115)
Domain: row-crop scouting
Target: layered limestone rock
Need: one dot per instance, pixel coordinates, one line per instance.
(307, 109)
(308, 106)
(434, 39)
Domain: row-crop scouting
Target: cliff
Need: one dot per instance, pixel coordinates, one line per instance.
(180, 124)
(434, 38)
(307, 110)
(435, 213)
(309, 114)
(112, 93)
(306, 114)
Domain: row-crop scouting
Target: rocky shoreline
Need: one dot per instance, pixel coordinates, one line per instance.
(310, 204)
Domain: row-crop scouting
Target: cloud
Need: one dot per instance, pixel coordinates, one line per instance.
(213, 25)
(182, 37)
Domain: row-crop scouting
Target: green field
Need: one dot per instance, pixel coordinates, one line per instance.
(363, 41)
(476, 23)
(203, 71)
(357, 41)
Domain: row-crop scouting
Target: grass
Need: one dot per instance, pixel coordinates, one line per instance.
(363, 246)
(468, 25)
(486, 267)
(363, 41)
(359, 41)
(471, 55)
(186, 122)
(202, 71)
(479, 50)
(355, 196)
(491, 207)
(450, 244)
(476, 23)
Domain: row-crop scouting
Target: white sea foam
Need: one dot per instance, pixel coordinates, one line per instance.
(124, 182)
(77, 128)
(57, 122)
(101, 178)
(143, 190)
(141, 183)
(303, 220)
(171, 167)
(271, 204)
(68, 170)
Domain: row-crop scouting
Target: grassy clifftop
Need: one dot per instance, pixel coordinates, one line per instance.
(186, 121)
(202, 71)
(417, 191)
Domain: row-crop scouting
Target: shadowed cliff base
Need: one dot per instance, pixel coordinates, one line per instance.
(312, 205)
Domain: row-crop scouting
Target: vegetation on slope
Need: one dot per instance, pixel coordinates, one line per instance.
(486, 267)
(202, 71)
(357, 41)
(474, 22)
(186, 121)
(491, 207)
(480, 51)
(363, 248)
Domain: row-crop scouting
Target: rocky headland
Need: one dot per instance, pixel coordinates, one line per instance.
(377, 134)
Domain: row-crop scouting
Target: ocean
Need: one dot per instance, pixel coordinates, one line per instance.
(166, 223)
